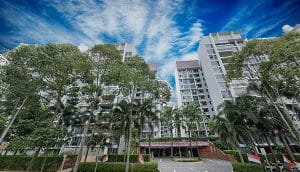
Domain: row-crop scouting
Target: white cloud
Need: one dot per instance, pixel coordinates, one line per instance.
(37, 29)
(167, 69)
(287, 28)
(82, 47)
(150, 25)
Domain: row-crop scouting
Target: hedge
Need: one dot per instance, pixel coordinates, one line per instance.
(169, 139)
(121, 158)
(270, 157)
(20, 162)
(247, 167)
(118, 167)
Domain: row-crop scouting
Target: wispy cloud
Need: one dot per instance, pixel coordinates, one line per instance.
(32, 28)
(257, 18)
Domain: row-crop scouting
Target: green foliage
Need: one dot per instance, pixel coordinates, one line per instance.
(133, 158)
(118, 167)
(219, 144)
(262, 157)
(15, 163)
(146, 167)
(247, 167)
(192, 115)
(169, 139)
(2, 122)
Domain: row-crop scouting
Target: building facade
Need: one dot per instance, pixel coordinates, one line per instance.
(215, 51)
(126, 50)
(191, 87)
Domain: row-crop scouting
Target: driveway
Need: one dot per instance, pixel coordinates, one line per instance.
(206, 165)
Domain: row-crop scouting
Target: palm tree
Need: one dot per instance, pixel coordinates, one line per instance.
(225, 129)
(167, 119)
(146, 114)
(193, 118)
(240, 112)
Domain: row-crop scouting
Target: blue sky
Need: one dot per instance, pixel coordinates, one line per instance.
(162, 31)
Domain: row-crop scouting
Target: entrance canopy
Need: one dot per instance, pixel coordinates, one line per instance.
(175, 144)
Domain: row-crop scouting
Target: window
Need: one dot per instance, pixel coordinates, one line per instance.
(211, 51)
(222, 85)
(208, 46)
(217, 70)
(212, 109)
(205, 109)
(213, 57)
(225, 53)
(220, 77)
(226, 94)
(128, 54)
(215, 63)
(225, 60)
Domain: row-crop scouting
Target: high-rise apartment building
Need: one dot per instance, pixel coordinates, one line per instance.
(191, 87)
(215, 51)
(126, 50)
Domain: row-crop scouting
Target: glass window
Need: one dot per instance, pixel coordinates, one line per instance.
(215, 63)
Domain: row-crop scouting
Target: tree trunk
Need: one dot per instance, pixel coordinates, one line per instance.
(95, 170)
(82, 142)
(172, 146)
(270, 147)
(190, 154)
(129, 144)
(12, 121)
(34, 156)
(149, 148)
(283, 139)
(241, 156)
(253, 144)
(86, 153)
(44, 162)
(16, 152)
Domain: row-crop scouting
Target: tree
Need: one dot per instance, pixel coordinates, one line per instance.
(133, 76)
(93, 83)
(278, 76)
(227, 134)
(167, 119)
(192, 113)
(240, 112)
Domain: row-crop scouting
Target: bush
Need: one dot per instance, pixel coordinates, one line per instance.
(118, 167)
(133, 158)
(146, 167)
(10, 162)
(247, 167)
(262, 157)
(219, 144)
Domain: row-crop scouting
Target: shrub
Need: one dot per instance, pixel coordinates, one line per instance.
(102, 167)
(146, 167)
(121, 158)
(219, 144)
(118, 167)
(262, 157)
(10, 162)
(247, 167)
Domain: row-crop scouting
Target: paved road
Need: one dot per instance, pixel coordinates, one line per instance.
(206, 165)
